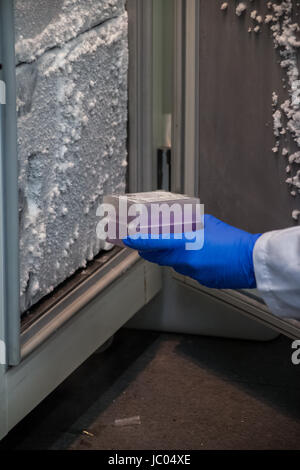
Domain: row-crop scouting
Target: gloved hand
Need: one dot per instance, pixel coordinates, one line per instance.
(224, 262)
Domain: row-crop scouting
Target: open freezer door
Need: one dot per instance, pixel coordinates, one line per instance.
(230, 147)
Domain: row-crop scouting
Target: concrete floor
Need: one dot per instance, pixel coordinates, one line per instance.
(190, 393)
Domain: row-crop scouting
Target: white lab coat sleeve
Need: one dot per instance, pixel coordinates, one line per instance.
(276, 257)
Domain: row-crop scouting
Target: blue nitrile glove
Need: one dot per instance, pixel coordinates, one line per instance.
(224, 262)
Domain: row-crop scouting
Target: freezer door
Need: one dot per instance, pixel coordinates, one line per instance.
(239, 164)
(224, 79)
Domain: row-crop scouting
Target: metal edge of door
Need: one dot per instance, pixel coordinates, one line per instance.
(75, 300)
(177, 169)
(249, 306)
(141, 166)
(3, 407)
(190, 97)
(9, 190)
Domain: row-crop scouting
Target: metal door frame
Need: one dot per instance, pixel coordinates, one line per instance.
(140, 145)
(185, 144)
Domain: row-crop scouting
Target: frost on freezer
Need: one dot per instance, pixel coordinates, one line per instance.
(241, 7)
(72, 132)
(43, 24)
(284, 31)
(280, 20)
(277, 122)
(295, 214)
(224, 6)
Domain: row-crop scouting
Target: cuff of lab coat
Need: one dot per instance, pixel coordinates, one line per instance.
(267, 277)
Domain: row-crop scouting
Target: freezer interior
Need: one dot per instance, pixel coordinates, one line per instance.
(71, 98)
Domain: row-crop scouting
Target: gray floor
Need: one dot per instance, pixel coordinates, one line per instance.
(190, 393)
